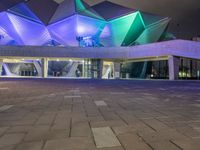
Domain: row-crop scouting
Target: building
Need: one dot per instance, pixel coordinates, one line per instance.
(72, 39)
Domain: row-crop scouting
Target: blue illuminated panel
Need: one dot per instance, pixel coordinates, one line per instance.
(31, 33)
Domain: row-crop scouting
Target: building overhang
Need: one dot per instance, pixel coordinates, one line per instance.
(179, 48)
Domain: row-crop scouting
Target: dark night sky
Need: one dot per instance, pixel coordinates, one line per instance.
(185, 14)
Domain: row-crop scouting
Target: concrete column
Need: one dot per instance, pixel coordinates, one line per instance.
(1, 66)
(117, 70)
(44, 67)
(173, 65)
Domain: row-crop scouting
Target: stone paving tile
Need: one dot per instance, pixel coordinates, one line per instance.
(186, 144)
(19, 129)
(112, 123)
(164, 145)
(37, 133)
(123, 129)
(3, 130)
(104, 137)
(100, 103)
(5, 107)
(12, 147)
(80, 129)
(132, 141)
(111, 148)
(10, 139)
(60, 114)
(30, 146)
(70, 144)
(155, 124)
(45, 119)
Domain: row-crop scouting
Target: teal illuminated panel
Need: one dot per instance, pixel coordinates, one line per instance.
(116, 30)
(79, 5)
(152, 33)
(134, 32)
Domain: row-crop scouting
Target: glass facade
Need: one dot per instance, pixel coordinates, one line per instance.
(145, 70)
(189, 68)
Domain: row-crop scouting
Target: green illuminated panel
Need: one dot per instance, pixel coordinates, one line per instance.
(117, 29)
(79, 5)
(153, 33)
(134, 32)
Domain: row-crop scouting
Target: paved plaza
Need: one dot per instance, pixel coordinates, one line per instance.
(60, 114)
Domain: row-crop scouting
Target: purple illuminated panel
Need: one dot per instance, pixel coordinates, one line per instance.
(65, 31)
(8, 29)
(89, 27)
(31, 33)
(5, 39)
(69, 30)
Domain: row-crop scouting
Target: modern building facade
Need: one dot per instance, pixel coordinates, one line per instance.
(72, 39)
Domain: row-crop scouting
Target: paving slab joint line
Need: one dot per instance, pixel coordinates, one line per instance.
(176, 145)
(118, 139)
(162, 122)
(148, 125)
(43, 144)
(92, 134)
(121, 118)
(70, 127)
(145, 141)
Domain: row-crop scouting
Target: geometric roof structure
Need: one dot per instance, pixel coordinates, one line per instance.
(75, 23)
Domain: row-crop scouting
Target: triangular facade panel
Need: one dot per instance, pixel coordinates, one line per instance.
(66, 9)
(153, 33)
(63, 31)
(117, 30)
(7, 26)
(31, 33)
(89, 27)
(135, 30)
(23, 10)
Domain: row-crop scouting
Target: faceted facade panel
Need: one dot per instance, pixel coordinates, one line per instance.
(116, 30)
(8, 28)
(135, 31)
(152, 33)
(23, 10)
(65, 31)
(31, 33)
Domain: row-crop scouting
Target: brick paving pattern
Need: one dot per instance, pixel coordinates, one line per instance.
(53, 114)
